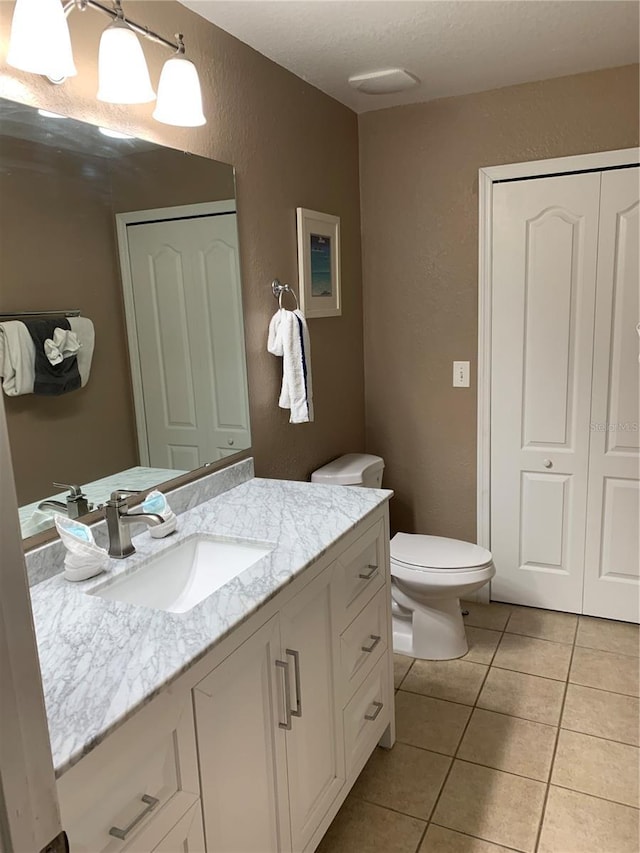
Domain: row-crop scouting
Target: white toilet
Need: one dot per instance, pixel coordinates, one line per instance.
(429, 573)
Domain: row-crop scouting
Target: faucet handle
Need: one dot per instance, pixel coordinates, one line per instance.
(75, 491)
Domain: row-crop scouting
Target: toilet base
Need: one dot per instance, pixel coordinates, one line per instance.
(431, 632)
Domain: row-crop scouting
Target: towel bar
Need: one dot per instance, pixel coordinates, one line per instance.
(21, 315)
(278, 289)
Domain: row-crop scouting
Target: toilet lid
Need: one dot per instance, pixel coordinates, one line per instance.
(437, 552)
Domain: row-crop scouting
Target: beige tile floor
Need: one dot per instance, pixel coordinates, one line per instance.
(529, 743)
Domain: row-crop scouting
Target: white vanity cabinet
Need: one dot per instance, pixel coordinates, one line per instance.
(285, 712)
(269, 731)
(132, 790)
(286, 722)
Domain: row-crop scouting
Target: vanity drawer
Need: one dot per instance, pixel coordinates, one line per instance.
(367, 716)
(139, 783)
(363, 642)
(362, 570)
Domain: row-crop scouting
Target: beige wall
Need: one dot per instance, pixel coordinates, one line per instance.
(419, 189)
(291, 146)
(57, 251)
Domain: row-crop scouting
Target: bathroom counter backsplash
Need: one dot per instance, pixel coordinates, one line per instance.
(102, 660)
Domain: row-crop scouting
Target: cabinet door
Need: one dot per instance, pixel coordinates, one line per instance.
(315, 746)
(242, 749)
(186, 836)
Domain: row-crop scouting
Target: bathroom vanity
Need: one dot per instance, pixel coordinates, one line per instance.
(241, 724)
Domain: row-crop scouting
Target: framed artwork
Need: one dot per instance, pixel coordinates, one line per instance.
(319, 263)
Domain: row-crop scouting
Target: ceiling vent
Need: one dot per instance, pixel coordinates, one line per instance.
(384, 82)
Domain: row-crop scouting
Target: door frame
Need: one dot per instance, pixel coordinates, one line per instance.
(136, 217)
(487, 177)
(29, 811)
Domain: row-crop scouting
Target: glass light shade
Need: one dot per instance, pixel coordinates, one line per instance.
(179, 96)
(40, 41)
(123, 76)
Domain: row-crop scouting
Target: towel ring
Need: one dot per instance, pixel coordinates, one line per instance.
(279, 289)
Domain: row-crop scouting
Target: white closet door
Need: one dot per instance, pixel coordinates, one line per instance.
(612, 561)
(545, 234)
(188, 315)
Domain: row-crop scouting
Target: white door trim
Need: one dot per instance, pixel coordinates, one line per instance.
(487, 177)
(29, 813)
(123, 220)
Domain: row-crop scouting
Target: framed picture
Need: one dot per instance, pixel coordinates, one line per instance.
(319, 263)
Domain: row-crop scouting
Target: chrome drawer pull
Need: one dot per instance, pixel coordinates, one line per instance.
(150, 802)
(379, 706)
(376, 639)
(366, 576)
(284, 665)
(296, 674)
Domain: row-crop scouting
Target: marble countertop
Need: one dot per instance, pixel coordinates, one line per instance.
(102, 660)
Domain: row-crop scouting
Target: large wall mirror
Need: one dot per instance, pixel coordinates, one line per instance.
(128, 250)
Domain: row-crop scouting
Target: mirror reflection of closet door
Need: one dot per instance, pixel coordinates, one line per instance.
(185, 280)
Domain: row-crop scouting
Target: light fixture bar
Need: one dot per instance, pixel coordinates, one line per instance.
(114, 15)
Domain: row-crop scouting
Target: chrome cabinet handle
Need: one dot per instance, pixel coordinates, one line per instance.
(378, 707)
(284, 665)
(296, 673)
(548, 463)
(366, 576)
(376, 639)
(150, 802)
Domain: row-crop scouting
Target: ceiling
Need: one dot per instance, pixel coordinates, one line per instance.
(454, 46)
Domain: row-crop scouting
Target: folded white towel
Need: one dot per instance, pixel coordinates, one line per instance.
(289, 338)
(17, 354)
(63, 344)
(17, 358)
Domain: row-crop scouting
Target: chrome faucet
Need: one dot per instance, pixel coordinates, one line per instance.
(118, 521)
(76, 504)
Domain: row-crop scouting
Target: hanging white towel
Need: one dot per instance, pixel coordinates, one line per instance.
(289, 338)
(17, 354)
(82, 327)
(17, 359)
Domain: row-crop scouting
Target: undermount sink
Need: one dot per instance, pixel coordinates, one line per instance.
(183, 576)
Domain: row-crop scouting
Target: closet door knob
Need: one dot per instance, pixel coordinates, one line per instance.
(548, 463)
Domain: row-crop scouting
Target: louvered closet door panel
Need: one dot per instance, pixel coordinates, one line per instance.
(612, 560)
(544, 267)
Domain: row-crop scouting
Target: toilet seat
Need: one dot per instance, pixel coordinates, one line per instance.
(421, 553)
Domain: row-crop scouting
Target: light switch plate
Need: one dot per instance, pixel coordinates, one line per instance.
(460, 374)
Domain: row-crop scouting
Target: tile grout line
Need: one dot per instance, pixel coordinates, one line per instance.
(558, 727)
(555, 746)
(464, 731)
(475, 837)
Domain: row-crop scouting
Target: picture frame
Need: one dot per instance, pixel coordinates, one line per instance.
(319, 263)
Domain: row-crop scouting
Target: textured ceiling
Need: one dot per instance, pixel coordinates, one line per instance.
(454, 46)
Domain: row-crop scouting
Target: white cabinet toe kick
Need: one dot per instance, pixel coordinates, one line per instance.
(255, 748)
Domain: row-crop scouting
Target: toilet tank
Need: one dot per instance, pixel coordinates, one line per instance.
(352, 469)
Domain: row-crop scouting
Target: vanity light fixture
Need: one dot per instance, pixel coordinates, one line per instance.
(40, 44)
(179, 96)
(123, 76)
